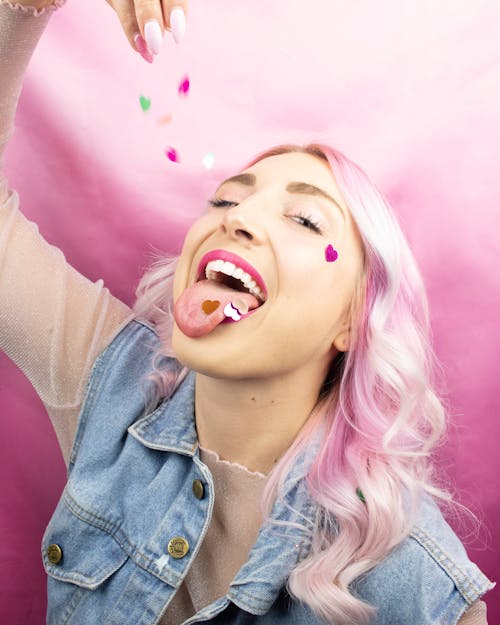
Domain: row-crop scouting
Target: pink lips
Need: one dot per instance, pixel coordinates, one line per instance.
(236, 260)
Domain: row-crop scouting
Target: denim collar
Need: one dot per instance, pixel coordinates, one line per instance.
(283, 540)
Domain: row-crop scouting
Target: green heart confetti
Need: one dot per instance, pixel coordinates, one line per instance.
(145, 103)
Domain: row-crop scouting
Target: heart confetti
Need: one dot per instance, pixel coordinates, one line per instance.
(331, 254)
(163, 121)
(208, 160)
(231, 312)
(145, 103)
(209, 306)
(172, 155)
(183, 88)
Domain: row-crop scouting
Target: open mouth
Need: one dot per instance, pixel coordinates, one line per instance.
(234, 272)
(234, 277)
(227, 289)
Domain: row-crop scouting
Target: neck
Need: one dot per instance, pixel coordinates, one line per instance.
(251, 422)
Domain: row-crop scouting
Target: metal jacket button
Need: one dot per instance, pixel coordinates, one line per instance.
(54, 553)
(178, 547)
(198, 489)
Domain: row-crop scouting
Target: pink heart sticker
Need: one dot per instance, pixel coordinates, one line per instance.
(331, 254)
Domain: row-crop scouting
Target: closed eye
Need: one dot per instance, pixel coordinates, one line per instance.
(304, 220)
(307, 222)
(218, 203)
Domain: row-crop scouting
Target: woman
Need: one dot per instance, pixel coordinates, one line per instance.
(287, 361)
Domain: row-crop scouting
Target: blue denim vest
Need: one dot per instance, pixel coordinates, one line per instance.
(129, 492)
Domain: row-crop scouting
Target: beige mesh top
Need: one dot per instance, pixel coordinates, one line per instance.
(54, 323)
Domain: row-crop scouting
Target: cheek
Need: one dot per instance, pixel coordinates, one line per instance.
(199, 230)
(319, 272)
(179, 279)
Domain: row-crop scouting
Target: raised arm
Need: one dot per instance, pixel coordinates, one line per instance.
(53, 321)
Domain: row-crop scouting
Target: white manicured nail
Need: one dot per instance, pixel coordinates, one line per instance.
(153, 36)
(177, 23)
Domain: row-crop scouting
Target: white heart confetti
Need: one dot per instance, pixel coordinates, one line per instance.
(231, 312)
(208, 160)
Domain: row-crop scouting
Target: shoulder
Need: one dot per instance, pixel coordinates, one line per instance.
(428, 579)
(136, 351)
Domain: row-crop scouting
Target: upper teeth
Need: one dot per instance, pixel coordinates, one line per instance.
(230, 269)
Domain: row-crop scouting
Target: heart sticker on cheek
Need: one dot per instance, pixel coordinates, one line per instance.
(209, 306)
(331, 254)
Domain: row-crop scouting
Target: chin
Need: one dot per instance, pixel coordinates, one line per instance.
(207, 355)
(197, 354)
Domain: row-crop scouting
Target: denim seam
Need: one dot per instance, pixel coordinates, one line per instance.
(162, 442)
(205, 614)
(72, 605)
(251, 601)
(467, 586)
(459, 605)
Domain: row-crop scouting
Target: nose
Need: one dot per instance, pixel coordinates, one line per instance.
(238, 225)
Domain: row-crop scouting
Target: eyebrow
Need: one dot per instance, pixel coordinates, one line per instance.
(310, 189)
(249, 180)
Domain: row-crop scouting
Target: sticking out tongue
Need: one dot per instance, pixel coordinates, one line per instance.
(201, 307)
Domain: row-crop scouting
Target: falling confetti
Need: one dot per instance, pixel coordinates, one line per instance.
(208, 160)
(183, 88)
(145, 103)
(172, 155)
(209, 306)
(163, 121)
(331, 254)
(359, 493)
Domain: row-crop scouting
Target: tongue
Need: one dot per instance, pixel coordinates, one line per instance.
(201, 307)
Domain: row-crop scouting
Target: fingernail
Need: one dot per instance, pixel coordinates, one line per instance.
(177, 23)
(142, 48)
(153, 36)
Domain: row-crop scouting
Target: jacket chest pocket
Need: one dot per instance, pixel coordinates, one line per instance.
(82, 562)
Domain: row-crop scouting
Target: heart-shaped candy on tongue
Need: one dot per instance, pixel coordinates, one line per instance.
(200, 308)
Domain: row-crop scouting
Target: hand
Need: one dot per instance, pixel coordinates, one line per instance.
(145, 22)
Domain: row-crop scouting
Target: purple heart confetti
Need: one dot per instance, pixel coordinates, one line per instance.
(172, 155)
(183, 88)
(331, 254)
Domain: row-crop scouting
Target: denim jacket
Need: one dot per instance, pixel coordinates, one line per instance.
(129, 493)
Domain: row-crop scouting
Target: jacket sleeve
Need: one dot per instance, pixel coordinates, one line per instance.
(54, 322)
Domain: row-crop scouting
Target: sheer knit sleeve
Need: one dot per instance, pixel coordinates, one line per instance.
(53, 321)
(475, 615)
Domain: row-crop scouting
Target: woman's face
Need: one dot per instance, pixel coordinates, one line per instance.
(279, 216)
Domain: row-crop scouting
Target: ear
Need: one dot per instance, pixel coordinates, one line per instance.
(342, 340)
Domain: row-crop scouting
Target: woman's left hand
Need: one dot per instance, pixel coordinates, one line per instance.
(145, 22)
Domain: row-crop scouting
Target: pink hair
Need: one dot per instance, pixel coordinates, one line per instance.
(379, 407)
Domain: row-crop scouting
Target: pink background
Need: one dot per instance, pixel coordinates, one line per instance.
(409, 90)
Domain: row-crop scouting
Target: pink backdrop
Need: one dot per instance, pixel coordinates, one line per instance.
(409, 90)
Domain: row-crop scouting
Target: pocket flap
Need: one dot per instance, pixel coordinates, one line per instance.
(75, 551)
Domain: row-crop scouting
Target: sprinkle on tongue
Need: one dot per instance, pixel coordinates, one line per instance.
(209, 306)
(196, 312)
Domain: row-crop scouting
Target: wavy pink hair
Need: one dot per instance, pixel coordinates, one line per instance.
(378, 405)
